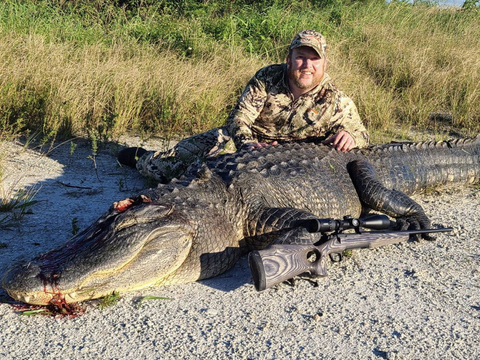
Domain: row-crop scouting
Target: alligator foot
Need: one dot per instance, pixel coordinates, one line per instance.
(374, 195)
(413, 223)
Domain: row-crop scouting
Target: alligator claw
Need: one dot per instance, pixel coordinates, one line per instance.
(414, 223)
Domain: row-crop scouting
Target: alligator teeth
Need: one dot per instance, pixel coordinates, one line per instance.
(26, 299)
(73, 295)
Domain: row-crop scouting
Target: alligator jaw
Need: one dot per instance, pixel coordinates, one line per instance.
(46, 297)
(114, 254)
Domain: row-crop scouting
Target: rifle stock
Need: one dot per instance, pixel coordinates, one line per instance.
(278, 263)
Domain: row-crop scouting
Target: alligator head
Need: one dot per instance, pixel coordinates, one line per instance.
(113, 254)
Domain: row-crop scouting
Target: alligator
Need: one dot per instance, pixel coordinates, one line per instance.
(197, 227)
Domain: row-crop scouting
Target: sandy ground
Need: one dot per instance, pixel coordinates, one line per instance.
(417, 300)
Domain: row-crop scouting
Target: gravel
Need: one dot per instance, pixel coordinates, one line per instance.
(416, 300)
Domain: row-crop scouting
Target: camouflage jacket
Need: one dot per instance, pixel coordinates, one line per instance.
(266, 111)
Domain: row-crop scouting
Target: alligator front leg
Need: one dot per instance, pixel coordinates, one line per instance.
(279, 225)
(392, 202)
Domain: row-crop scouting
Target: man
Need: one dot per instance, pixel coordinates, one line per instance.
(283, 102)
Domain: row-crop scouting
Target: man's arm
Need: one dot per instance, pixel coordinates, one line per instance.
(350, 130)
(246, 111)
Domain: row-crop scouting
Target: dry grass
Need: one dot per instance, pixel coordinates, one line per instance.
(407, 65)
(112, 90)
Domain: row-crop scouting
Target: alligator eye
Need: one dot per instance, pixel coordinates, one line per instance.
(126, 223)
(154, 212)
(141, 214)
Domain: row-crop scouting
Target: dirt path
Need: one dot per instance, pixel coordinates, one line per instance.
(412, 300)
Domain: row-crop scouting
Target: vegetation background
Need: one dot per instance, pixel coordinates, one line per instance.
(172, 68)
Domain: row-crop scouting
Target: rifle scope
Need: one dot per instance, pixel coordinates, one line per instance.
(375, 222)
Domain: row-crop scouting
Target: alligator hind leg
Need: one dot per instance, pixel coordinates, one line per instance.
(392, 202)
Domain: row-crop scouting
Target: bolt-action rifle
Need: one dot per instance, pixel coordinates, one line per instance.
(281, 262)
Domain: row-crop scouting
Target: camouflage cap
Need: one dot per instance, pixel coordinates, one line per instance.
(310, 38)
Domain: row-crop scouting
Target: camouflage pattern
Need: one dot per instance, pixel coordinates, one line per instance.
(164, 166)
(310, 38)
(267, 111)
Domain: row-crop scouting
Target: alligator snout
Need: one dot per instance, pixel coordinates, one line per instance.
(113, 254)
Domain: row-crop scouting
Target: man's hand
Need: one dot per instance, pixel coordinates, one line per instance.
(341, 141)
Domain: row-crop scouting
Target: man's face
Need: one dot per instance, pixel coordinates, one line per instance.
(305, 68)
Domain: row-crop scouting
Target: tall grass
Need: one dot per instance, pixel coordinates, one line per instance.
(426, 67)
(175, 68)
(66, 89)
